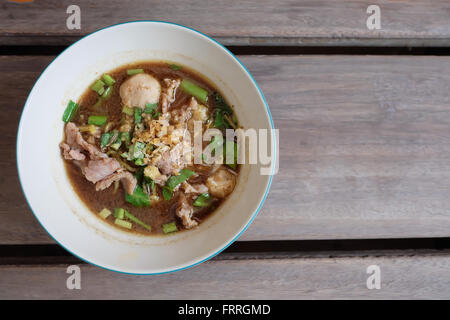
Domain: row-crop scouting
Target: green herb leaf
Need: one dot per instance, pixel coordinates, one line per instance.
(174, 181)
(219, 121)
(222, 105)
(139, 198)
(167, 193)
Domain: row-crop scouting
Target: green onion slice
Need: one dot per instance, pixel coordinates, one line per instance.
(136, 220)
(70, 111)
(97, 120)
(123, 223)
(170, 227)
(202, 200)
(119, 213)
(105, 213)
(97, 86)
(131, 72)
(108, 79)
(107, 93)
(194, 90)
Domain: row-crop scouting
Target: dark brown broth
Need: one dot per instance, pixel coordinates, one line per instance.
(163, 211)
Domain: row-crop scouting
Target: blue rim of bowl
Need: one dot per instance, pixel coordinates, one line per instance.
(254, 214)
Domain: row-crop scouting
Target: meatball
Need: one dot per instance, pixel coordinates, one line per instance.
(139, 90)
(221, 183)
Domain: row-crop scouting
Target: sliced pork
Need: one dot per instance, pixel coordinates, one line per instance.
(194, 188)
(75, 145)
(185, 212)
(126, 178)
(168, 94)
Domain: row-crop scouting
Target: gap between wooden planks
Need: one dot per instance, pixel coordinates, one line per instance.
(316, 278)
(363, 147)
(247, 22)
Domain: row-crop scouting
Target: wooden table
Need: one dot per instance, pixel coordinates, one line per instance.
(364, 150)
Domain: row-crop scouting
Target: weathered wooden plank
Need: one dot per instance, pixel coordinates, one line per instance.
(247, 22)
(363, 147)
(414, 277)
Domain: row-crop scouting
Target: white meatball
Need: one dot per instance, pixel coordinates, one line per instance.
(221, 183)
(139, 90)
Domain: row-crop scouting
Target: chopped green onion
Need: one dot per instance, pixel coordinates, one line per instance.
(97, 120)
(105, 213)
(202, 200)
(101, 91)
(156, 115)
(175, 67)
(108, 79)
(89, 128)
(107, 93)
(131, 72)
(170, 227)
(123, 223)
(194, 90)
(127, 110)
(97, 86)
(137, 115)
(124, 155)
(119, 213)
(139, 198)
(70, 111)
(150, 108)
(136, 220)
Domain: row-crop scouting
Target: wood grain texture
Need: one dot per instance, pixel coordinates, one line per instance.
(363, 147)
(246, 22)
(413, 277)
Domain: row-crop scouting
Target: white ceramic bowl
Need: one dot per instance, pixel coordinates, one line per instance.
(48, 190)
